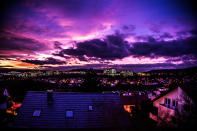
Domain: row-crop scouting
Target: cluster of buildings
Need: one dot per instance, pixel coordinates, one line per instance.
(114, 72)
(27, 74)
(106, 72)
(126, 73)
(49, 109)
(169, 104)
(86, 110)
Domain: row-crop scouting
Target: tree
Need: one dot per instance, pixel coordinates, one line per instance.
(90, 81)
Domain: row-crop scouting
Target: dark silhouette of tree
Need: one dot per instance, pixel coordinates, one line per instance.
(140, 116)
(90, 81)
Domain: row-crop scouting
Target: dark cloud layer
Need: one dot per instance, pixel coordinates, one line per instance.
(194, 31)
(165, 48)
(57, 45)
(47, 61)
(128, 27)
(114, 47)
(20, 44)
(166, 35)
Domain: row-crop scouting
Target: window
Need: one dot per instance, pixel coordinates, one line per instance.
(167, 101)
(174, 103)
(36, 113)
(90, 108)
(69, 114)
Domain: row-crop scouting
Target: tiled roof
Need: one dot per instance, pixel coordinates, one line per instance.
(107, 111)
(164, 93)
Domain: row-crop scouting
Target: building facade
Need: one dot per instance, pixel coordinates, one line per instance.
(170, 106)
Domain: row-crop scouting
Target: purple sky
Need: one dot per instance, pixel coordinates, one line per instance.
(138, 35)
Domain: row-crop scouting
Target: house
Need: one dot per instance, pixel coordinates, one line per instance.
(3, 103)
(170, 105)
(3, 107)
(71, 110)
(3, 100)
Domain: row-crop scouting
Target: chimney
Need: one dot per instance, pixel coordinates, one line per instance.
(49, 97)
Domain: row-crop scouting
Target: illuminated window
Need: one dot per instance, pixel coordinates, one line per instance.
(69, 114)
(36, 113)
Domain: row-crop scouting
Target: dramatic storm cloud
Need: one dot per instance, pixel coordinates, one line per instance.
(43, 33)
(173, 48)
(20, 43)
(112, 47)
(43, 62)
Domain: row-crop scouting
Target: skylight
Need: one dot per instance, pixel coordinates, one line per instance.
(36, 113)
(69, 114)
(90, 108)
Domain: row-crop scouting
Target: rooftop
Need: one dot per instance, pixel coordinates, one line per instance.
(72, 110)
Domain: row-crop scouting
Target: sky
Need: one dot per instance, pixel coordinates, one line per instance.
(137, 35)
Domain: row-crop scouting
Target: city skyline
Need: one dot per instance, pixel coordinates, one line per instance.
(137, 35)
